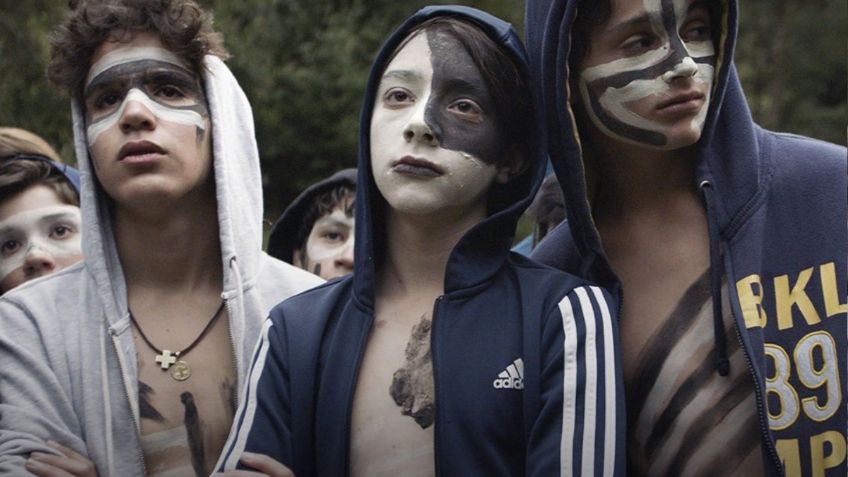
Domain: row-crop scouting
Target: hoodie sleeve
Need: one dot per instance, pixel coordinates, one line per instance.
(580, 426)
(262, 423)
(34, 400)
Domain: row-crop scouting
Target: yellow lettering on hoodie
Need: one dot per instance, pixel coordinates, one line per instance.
(751, 301)
(790, 456)
(786, 299)
(821, 462)
(832, 305)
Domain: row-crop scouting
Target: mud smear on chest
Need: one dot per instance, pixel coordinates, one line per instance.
(412, 384)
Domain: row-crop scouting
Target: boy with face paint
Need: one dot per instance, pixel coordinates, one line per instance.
(129, 363)
(39, 218)
(728, 241)
(316, 230)
(444, 353)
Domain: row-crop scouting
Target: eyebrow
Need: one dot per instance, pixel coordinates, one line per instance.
(41, 221)
(629, 23)
(327, 220)
(407, 75)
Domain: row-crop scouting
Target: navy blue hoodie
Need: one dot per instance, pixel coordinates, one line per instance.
(526, 378)
(776, 208)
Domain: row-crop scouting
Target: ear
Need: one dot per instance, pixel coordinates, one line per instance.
(512, 167)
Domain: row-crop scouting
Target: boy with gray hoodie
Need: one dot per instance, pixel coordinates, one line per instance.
(132, 358)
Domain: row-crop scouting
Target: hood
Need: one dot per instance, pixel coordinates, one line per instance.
(482, 251)
(238, 189)
(728, 152)
(281, 242)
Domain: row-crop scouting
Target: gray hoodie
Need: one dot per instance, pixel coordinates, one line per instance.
(68, 369)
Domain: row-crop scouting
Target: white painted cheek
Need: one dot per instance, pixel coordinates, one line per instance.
(179, 116)
(704, 75)
(12, 263)
(623, 65)
(615, 101)
(700, 49)
(320, 252)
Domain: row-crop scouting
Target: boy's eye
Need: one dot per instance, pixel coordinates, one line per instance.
(9, 247)
(696, 31)
(638, 44)
(398, 97)
(467, 109)
(333, 236)
(107, 100)
(170, 92)
(61, 232)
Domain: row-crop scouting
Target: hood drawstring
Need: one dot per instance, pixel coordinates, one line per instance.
(716, 272)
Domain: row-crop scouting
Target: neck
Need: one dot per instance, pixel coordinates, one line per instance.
(418, 249)
(634, 181)
(177, 251)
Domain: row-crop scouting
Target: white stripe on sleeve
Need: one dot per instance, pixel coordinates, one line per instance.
(247, 408)
(590, 405)
(569, 387)
(609, 384)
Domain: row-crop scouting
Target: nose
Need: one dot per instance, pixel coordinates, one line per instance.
(38, 263)
(418, 129)
(685, 69)
(345, 259)
(136, 115)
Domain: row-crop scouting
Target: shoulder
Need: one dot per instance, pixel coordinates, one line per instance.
(800, 154)
(557, 249)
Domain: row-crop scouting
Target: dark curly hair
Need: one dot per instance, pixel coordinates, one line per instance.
(184, 28)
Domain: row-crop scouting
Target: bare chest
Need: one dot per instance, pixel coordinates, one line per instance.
(394, 402)
(186, 402)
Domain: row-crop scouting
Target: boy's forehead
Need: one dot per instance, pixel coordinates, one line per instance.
(136, 47)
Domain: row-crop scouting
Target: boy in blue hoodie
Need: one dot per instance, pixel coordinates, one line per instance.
(728, 241)
(444, 353)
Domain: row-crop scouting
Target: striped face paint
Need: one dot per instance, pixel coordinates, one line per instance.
(152, 76)
(663, 74)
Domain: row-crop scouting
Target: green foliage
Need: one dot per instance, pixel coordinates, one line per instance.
(303, 64)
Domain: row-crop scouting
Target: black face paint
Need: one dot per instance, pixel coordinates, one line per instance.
(455, 76)
(677, 52)
(317, 269)
(170, 86)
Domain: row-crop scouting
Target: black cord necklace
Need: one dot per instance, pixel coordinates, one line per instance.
(180, 370)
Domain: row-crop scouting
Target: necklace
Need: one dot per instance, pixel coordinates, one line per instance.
(166, 358)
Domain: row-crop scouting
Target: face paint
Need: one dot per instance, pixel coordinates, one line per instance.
(434, 136)
(637, 97)
(52, 232)
(154, 77)
(329, 247)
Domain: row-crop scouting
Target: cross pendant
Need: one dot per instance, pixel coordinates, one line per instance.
(166, 359)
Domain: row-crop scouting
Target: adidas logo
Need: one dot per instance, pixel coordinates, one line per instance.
(512, 377)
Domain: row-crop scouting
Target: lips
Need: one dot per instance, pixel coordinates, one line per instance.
(682, 102)
(417, 167)
(139, 150)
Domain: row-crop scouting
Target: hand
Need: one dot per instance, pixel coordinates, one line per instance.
(264, 464)
(69, 464)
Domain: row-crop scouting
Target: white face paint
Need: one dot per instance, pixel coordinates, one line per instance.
(152, 76)
(655, 86)
(414, 121)
(37, 242)
(329, 247)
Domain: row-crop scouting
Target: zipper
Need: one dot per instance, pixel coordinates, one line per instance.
(760, 410)
(433, 355)
(124, 378)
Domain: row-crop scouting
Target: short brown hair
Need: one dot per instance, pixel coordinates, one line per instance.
(17, 176)
(184, 28)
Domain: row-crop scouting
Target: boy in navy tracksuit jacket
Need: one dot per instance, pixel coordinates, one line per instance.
(693, 205)
(504, 366)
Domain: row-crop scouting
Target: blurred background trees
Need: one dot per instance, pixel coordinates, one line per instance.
(303, 64)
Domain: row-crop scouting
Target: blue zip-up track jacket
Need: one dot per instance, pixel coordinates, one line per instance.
(552, 334)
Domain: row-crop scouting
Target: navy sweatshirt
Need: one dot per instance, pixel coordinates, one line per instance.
(776, 206)
(527, 381)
